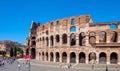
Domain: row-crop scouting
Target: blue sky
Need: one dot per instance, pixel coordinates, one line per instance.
(16, 15)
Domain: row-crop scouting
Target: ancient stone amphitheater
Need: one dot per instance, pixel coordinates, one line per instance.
(75, 39)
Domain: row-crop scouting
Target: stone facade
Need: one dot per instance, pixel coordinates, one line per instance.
(75, 40)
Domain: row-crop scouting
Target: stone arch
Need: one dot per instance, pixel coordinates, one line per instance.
(52, 40)
(51, 56)
(47, 41)
(73, 29)
(113, 58)
(113, 36)
(33, 53)
(39, 55)
(72, 57)
(57, 38)
(113, 26)
(102, 58)
(92, 38)
(72, 39)
(82, 39)
(92, 56)
(27, 51)
(42, 56)
(64, 57)
(46, 56)
(102, 36)
(57, 56)
(72, 21)
(64, 38)
(81, 57)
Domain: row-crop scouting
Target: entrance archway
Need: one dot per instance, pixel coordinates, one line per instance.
(82, 57)
(92, 57)
(113, 58)
(42, 56)
(72, 39)
(102, 58)
(72, 57)
(64, 57)
(33, 53)
(46, 56)
(51, 56)
(57, 56)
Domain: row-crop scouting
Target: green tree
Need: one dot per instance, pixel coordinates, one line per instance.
(15, 51)
(11, 52)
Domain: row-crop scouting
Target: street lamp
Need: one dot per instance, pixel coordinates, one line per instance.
(29, 58)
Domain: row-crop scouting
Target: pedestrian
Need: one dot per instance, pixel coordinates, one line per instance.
(19, 66)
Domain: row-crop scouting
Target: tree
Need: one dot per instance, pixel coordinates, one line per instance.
(15, 51)
(11, 52)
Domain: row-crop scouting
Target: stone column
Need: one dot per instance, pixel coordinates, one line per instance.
(54, 41)
(77, 58)
(49, 42)
(77, 40)
(60, 43)
(68, 40)
(86, 61)
(68, 57)
(87, 40)
(60, 58)
(54, 59)
(108, 37)
(118, 37)
(119, 57)
(48, 56)
(45, 44)
(108, 58)
(97, 58)
(97, 38)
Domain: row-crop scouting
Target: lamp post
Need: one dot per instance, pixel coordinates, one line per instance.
(29, 58)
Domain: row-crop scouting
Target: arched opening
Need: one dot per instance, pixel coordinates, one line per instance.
(51, 56)
(64, 57)
(57, 56)
(33, 43)
(57, 38)
(82, 57)
(73, 29)
(47, 41)
(39, 56)
(43, 40)
(72, 57)
(27, 51)
(42, 56)
(64, 38)
(92, 40)
(113, 58)
(102, 58)
(51, 39)
(72, 21)
(92, 57)
(113, 26)
(72, 39)
(33, 53)
(114, 36)
(47, 56)
(102, 36)
(82, 39)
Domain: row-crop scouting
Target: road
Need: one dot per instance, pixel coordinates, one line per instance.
(44, 67)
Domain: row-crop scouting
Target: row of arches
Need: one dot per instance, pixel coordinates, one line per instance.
(82, 57)
(103, 36)
(81, 36)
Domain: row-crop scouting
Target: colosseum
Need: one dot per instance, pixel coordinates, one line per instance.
(75, 39)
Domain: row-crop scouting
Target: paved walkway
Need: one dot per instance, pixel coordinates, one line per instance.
(47, 66)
